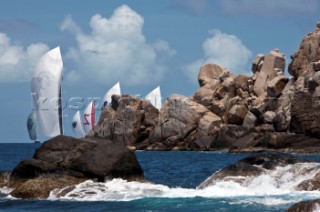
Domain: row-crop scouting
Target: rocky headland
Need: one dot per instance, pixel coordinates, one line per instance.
(268, 110)
(239, 113)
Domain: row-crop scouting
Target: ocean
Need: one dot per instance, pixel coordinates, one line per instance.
(173, 178)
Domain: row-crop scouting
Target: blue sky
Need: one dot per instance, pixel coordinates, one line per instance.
(140, 43)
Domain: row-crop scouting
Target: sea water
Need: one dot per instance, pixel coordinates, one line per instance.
(172, 178)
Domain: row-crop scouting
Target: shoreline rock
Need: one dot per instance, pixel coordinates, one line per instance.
(254, 165)
(65, 161)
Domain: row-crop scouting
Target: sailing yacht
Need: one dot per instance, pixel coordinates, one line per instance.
(114, 90)
(155, 97)
(77, 125)
(89, 119)
(46, 91)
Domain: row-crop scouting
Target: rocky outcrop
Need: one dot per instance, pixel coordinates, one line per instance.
(64, 161)
(252, 166)
(183, 120)
(40, 187)
(129, 121)
(235, 112)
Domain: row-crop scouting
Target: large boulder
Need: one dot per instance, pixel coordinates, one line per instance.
(276, 86)
(235, 136)
(72, 161)
(257, 63)
(206, 93)
(130, 122)
(237, 113)
(210, 72)
(242, 82)
(182, 119)
(274, 63)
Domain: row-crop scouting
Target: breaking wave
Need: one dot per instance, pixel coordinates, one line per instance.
(273, 187)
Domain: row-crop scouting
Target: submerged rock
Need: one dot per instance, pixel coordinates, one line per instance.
(63, 161)
(253, 166)
(309, 205)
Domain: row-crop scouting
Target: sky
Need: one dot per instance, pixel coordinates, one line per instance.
(140, 43)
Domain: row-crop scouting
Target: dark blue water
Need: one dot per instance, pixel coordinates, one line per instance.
(173, 169)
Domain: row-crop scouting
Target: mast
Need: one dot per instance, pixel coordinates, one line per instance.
(60, 112)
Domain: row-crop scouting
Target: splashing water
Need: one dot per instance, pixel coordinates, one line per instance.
(278, 186)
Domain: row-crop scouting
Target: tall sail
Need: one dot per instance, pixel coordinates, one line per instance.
(77, 125)
(107, 97)
(46, 87)
(32, 126)
(155, 98)
(89, 118)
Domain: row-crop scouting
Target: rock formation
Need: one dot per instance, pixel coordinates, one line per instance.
(129, 121)
(305, 175)
(64, 161)
(235, 112)
(253, 166)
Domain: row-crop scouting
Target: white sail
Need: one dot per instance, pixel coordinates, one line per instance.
(46, 87)
(77, 125)
(89, 118)
(115, 90)
(155, 98)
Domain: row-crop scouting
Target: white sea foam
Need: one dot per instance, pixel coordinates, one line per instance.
(269, 188)
(269, 201)
(316, 208)
(5, 192)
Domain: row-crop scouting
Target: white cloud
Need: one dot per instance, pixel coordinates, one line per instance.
(17, 63)
(116, 50)
(163, 46)
(270, 7)
(222, 49)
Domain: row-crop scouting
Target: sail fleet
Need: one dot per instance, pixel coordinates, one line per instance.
(47, 118)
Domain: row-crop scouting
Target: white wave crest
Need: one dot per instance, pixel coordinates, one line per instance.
(5, 192)
(269, 188)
